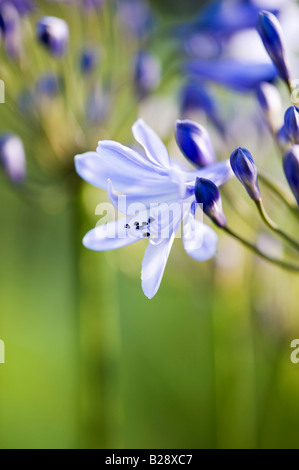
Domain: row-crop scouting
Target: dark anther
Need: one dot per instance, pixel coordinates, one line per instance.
(150, 219)
(127, 226)
(147, 234)
(144, 224)
(136, 223)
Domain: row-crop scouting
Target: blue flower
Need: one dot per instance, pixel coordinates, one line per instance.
(291, 169)
(53, 33)
(88, 60)
(147, 73)
(271, 34)
(10, 27)
(136, 16)
(207, 194)
(291, 123)
(195, 143)
(245, 170)
(196, 96)
(162, 188)
(224, 18)
(12, 157)
(239, 76)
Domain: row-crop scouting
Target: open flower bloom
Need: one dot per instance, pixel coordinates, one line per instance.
(158, 194)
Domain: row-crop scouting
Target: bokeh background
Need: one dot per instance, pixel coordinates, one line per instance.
(92, 363)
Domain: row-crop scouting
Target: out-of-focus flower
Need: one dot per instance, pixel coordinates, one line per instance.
(270, 102)
(22, 6)
(12, 157)
(195, 96)
(86, 4)
(53, 33)
(89, 59)
(207, 194)
(150, 180)
(10, 25)
(136, 16)
(48, 85)
(147, 73)
(271, 34)
(239, 76)
(224, 18)
(291, 124)
(291, 169)
(245, 170)
(283, 139)
(195, 143)
(98, 104)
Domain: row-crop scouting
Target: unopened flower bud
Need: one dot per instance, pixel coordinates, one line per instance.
(53, 33)
(270, 102)
(12, 157)
(207, 194)
(245, 170)
(291, 123)
(291, 169)
(195, 143)
(271, 34)
(147, 72)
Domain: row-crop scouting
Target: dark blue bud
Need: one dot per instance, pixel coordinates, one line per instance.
(245, 170)
(291, 123)
(271, 34)
(291, 169)
(88, 60)
(195, 143)
(53, 33)
(207, 194)
(147, 74)
(12, 157)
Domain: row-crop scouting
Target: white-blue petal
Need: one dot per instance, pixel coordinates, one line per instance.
(153, 266)
(108, 236)
(219, 173)
(200, 241)
(121, 164)
(151, 142)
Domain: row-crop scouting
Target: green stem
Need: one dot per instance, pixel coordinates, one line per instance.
(279, 191)
(273, 226)
(261, 254)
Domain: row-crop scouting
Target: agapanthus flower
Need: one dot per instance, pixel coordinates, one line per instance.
(195, 96)
(53, 33)
(10, 27)
(239, 76)
(12, 157)
(22, 6)
(136, 15)
(147, 72)
(272, 36)
(225, 17)
(161, 187)
(291, 169)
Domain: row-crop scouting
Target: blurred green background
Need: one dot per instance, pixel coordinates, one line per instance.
(91, 363)
(196, 367)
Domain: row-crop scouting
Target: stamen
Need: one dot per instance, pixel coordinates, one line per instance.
(146, 235)
(127, 226)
